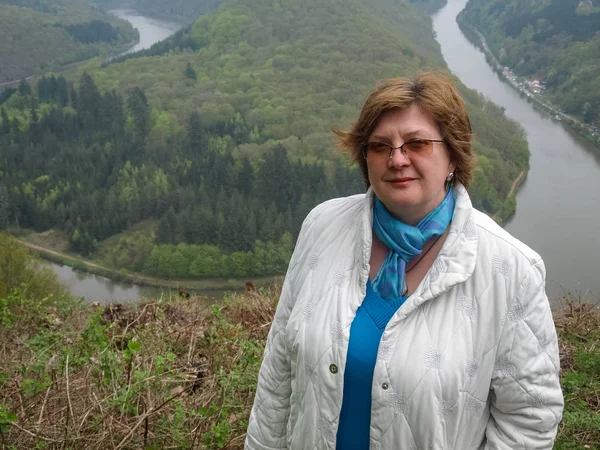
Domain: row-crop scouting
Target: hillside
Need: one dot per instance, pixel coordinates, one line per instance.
(222, 140)
(555, 42)
(48, 34)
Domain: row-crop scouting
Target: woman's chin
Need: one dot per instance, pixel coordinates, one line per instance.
(400, 198)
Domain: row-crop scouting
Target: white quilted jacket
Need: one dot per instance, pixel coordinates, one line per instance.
(469, 361)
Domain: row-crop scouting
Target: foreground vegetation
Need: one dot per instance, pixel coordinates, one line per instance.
(47, 34)
(155, 374)
(173, 373)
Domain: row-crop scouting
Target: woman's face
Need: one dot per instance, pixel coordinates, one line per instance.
(410, 184)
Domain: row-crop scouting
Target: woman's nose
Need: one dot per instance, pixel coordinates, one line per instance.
(398, 158)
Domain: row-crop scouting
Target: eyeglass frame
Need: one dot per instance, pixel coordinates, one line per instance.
(401, 148)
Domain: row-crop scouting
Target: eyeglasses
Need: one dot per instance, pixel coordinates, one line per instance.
(414, 147)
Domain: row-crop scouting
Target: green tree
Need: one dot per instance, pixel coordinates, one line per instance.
(5, 121)
(196, 137)
(24, 88)
(139, 109)
(74, 99)
(275, 179)
(166, 227)
(88, 102)
(82, 242)
(190, 72)
(4, 207)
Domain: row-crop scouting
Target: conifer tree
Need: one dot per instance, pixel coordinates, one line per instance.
(5, 121)
(24, 88)
(88, 103)
(4, 207)
(137, 104)
(74, 99)
(196, 135)
(190, 72)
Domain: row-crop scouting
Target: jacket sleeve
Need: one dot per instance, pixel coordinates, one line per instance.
(527, 401)
(270, 412)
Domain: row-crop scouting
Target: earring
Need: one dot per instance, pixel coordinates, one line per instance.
(449, 177)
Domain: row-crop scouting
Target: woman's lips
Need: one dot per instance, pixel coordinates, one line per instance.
(400, 181)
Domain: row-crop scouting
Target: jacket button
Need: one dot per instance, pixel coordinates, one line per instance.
(384, 386)
(333, 368)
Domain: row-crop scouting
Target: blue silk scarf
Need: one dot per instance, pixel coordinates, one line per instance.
(405, 242)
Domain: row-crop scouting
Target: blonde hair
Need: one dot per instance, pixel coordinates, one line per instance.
(433, 92)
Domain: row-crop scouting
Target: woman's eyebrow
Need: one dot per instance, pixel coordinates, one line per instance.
(380, 138)
(421, 133)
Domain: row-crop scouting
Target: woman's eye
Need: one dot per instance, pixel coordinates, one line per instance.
(378, 147)
(417, 144)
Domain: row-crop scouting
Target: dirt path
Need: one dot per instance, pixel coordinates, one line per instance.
(516, 183)
(134, 276)
(192, 284)
(513, 187)
(87, 263)
(14, 82)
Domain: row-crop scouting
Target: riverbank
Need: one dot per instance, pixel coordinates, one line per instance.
(81, 264)
(478, 39)
(180, 375)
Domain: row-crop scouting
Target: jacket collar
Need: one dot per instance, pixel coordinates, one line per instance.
(454, 263)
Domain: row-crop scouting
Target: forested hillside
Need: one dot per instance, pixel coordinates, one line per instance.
(554, 41)
(51, 33)
(218, 146)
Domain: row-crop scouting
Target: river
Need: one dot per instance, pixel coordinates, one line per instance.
(556, 213)
(151, 30)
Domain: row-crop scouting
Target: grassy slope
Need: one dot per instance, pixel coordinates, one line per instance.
(32, 34)
(178, 374)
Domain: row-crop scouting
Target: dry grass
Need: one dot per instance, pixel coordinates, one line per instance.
(576, 322)
(578, 326)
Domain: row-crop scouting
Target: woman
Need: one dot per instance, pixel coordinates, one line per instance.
(408, 319)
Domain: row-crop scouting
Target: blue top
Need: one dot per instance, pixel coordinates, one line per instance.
(365, 334)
